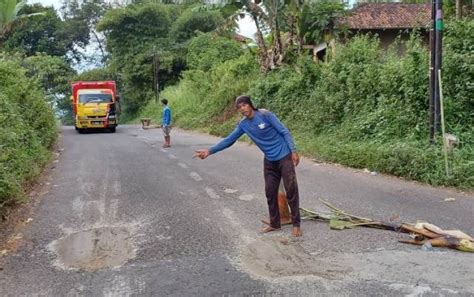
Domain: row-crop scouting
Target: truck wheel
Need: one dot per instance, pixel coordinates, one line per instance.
(112, 130)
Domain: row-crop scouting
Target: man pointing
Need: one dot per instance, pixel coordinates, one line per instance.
(281, 158)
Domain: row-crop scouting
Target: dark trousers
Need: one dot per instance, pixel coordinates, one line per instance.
(273, 172)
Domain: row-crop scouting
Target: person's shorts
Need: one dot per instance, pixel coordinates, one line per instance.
(166, 130)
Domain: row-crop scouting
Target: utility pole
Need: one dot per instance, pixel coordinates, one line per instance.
(438, 61)
(156, 69)
(432, 70)
(436, 46)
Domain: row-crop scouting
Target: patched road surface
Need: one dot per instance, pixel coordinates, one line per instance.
(121, 216)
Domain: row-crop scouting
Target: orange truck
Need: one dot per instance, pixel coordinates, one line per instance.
(95, 105)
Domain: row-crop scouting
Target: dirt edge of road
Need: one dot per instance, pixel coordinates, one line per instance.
(19, 215)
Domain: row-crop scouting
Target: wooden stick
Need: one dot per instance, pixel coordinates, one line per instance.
(443, 132)
(424, 232)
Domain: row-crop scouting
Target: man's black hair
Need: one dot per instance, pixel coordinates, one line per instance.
(244, 99)
(164, 101)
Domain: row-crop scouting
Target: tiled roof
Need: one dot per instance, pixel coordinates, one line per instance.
(387, 16)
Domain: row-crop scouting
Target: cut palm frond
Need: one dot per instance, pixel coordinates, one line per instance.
(421, 232)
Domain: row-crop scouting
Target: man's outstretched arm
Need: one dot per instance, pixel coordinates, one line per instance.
(222, 145)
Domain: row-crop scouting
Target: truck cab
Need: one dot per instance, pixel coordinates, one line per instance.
(96, 105)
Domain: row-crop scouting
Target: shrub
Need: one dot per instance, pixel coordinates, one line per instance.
(458, 78)
(27, 130)
(369, 108)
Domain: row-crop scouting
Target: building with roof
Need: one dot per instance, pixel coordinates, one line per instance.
(388, 21)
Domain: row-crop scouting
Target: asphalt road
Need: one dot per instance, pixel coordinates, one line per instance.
(118, 215)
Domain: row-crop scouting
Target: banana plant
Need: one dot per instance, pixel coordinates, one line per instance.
(274, 10)
(293, 15)
(266, 15)
(318, 24)
(10, 13)
(258, 15)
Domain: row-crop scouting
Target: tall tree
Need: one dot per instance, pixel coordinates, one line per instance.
(134, 33)
(46, 33)
(135, 26)
(85, 15)
(39, 34)
(190, 22)
(53, 75)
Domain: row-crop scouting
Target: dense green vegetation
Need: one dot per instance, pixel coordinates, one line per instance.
(27, 129)
(37, 52)
(364, 107)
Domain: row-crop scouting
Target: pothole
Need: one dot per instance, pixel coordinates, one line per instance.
(95, 249)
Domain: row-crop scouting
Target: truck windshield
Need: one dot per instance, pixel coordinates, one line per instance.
(95, 98)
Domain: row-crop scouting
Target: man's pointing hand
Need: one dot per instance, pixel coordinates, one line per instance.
(201, 154)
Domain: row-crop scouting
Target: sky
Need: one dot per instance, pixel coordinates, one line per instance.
(55, 3)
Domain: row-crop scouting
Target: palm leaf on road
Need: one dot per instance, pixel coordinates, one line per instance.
(421, 233)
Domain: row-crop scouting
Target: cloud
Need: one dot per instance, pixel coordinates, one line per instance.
(55, 3)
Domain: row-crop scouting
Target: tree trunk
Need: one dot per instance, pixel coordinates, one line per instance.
(458, 9)
(278, 48)
(100, 45)
(261, 45)
(291, 21)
